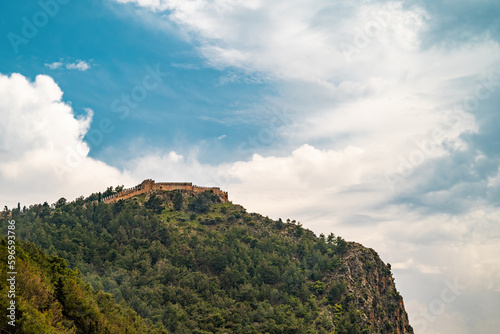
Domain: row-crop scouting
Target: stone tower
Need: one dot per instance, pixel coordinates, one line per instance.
(147, 185)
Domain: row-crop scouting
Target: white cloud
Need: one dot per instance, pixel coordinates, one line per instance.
(156, 5)
(444, 322)
(54, 66)
(79, 65)
(411, 264)
(296, 39)
(329, 190)
(42, 152)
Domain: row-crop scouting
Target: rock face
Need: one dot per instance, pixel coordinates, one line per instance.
(371, 288)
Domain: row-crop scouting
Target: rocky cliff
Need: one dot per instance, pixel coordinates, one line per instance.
(371, 289)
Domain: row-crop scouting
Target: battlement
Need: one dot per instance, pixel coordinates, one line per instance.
(149, 185)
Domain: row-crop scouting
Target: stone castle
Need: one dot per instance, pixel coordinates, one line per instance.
(149, 185)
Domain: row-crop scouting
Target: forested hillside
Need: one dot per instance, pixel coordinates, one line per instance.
(196, 265)
(51, 298)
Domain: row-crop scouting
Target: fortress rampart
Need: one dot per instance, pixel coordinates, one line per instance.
(149, 185)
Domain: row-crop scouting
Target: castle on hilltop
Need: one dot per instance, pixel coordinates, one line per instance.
(149, 185)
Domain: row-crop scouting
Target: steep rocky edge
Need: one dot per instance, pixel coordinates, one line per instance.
(195, 264)
(371, 288)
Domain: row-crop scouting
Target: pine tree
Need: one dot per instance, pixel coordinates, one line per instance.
(178, 201)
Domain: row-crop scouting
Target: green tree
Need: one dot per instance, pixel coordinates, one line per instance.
(178, 201)
(60, 202)
(336, 292)
(109, 191)
(154, 203)
(341, 245)
(202, 202)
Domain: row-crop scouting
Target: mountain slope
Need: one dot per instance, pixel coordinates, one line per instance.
(197, 265)
(51, 298)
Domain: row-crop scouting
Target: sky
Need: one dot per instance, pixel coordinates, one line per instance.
(374, 120)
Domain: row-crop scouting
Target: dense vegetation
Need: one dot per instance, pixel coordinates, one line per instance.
(52, 298)
(196, 265)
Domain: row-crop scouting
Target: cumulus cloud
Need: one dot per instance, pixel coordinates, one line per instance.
(42, 152)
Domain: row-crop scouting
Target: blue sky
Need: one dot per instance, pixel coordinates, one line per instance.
(193, 103)
(375, 120)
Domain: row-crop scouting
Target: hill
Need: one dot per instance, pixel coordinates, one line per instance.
(195, 263)
(51, 298)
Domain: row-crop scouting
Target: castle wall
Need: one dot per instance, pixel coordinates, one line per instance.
(173, 186)
(148, 185)
(117, 197)
(215, 190)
